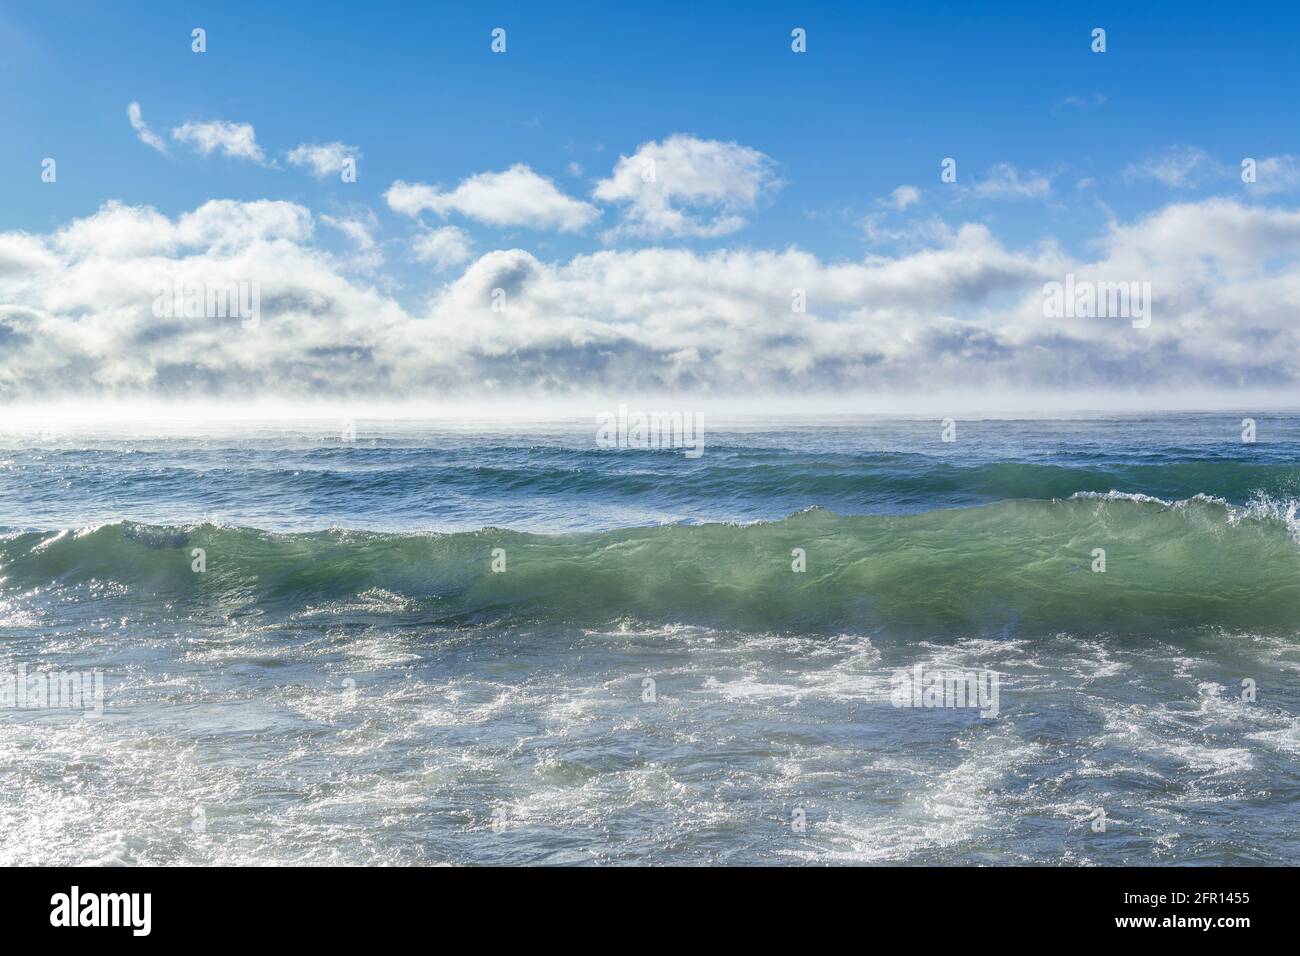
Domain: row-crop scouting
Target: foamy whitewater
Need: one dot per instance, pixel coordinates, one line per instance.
(484, 642)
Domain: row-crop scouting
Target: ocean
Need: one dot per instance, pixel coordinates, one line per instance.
(493, 642)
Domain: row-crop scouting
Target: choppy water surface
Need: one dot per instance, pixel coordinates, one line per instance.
(649, 680)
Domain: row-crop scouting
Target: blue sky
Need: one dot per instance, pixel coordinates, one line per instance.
(883, 94)
(1055, 144)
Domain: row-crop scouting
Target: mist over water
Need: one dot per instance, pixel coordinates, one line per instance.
(349, 680)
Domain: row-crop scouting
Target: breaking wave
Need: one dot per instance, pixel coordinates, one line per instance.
(1019, 567)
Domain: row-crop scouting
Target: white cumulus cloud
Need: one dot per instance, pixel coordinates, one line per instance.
(685, 186)
(445, 247)
(515, 197)
(323, 159)
(1005, 181)
(76, 313)
(902, 197)
(236, 140)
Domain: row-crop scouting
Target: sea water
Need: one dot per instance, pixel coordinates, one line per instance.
(481, 641)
